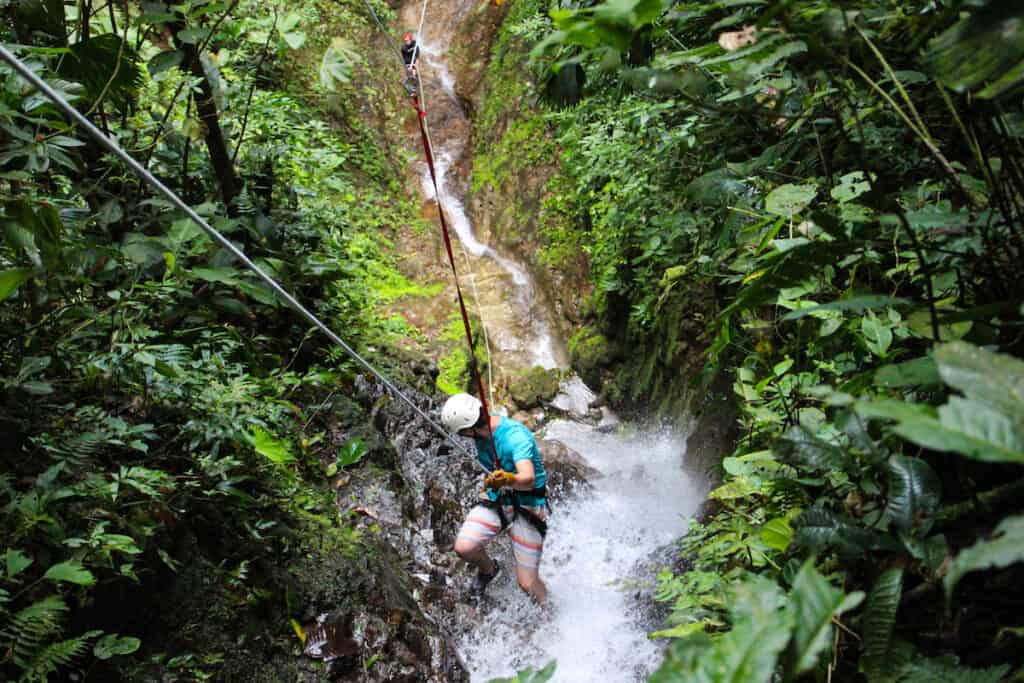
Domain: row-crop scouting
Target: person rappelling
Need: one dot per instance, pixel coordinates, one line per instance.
(514, 495)
(410, 56)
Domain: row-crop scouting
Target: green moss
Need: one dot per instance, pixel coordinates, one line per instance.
(454, 373)
(524, 144)
(590, 352)
(397, 286)
(534, 386)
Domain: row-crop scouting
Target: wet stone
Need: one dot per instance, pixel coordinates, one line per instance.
(568, 471)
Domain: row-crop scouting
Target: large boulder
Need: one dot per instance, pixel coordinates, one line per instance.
(533, 387)
(590, 353)
(568, 471)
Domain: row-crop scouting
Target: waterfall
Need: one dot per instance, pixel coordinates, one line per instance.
(641, 503)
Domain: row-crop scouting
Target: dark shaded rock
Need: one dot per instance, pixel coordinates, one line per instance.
(590, 353)
(714, 433)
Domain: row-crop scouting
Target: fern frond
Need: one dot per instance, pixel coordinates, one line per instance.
(81, 445)
(95, 61)
(28, 630)
(55, 656)
(172, 354)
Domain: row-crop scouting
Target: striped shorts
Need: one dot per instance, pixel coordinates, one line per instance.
(483, 524)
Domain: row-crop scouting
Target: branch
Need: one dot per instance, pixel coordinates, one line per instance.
(252, 89)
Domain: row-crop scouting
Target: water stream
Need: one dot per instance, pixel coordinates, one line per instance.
(593, 545)
(521, 332)
(640, 503)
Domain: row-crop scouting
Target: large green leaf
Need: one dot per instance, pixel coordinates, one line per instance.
(814, 602)
(143, 250)
(946, 670)
(917, 372)
(777, 533)
(853, 303)
(11, 279)
(758, 467)
(799, 448)
(277, 451)
(984, 49)
(15, 562)
(914, 493)
(1005, 547)
(746, 654)
(816, 528)
(996, 379)
(737, 488)
(878, 622)
(789, 200)
(877, 335)
(225, 275)
(967, 427)
(112, 645)
(932, 551)
(71, 571)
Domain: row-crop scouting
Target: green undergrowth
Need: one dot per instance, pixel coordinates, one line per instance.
(454, 368)
(168, 426)
(516, 153)
(820, 201)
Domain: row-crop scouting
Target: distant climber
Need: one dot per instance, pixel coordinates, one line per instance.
(410, 55)
(514, 495)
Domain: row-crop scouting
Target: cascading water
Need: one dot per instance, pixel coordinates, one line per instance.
(640, 504)
(595, 541)
(534, 331)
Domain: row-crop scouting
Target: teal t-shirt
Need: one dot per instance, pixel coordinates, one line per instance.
(514, 442)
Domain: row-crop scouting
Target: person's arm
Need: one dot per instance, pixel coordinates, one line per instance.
(525, 476)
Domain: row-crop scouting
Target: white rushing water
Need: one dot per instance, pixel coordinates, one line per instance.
(641, 504)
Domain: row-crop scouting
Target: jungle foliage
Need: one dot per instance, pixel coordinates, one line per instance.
(823, 200)
(162, 415)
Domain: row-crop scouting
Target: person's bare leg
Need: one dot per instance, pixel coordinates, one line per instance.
(476, 555)
(529, 580)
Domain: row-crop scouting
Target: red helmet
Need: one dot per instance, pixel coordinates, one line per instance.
(407, 36)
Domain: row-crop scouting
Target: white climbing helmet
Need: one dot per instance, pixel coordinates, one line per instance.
(460, 411)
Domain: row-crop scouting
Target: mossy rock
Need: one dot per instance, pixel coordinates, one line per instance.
(534, 386)
(590, 353)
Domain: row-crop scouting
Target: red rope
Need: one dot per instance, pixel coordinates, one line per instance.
(421, 117)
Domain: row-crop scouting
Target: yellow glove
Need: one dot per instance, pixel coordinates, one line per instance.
(499, 479)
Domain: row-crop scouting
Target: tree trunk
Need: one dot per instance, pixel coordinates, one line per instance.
(206, 108)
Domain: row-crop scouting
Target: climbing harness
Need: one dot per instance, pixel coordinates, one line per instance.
(510, 498)
(147, 177)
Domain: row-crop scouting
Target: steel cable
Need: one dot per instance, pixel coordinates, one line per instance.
(172, 197)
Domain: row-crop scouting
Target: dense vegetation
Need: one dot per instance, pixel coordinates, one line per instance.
(164, 437)
(821, 201)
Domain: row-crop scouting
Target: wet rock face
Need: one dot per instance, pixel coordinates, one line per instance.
(569, 473)
(715, 433)
(408, 508)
